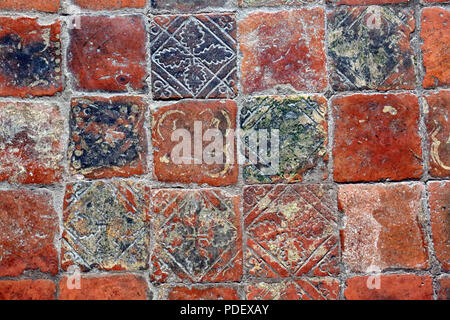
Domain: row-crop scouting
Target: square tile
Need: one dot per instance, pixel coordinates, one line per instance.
(107, 137)
(291, 231)
(302, 139)
(194, 56)
(369, 48)
(211, 161)
(30, 58)
(197, 236)
(106, 226)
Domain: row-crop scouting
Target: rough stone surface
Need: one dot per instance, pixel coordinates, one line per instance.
(196, 117)
(302, 129)
(392, 287)
(376, 138)
(27, 290)
(291, 230)
(436, 55)
(194, 56)
(439, 203)
(202, 293)
(304, 289)
(295, 60)
(197, 236)
(110, 4)
(369, 48)
(107, 137)
(106, 226)
(28, 230)
(444, 288)
(25, 5)
(189, 5)
(384, 226)
(119, 287)
(437, 113)
(112, 60)
(30, 148)
(30, 58)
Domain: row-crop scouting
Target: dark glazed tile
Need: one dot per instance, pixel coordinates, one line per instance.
(189, 5)
(194, 56)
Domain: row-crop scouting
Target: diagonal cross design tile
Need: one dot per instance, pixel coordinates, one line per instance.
(106, 226)
(291, 231)
(194, 56)
(369, 48)
(197, 236)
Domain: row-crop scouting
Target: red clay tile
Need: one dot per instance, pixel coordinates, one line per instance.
(24, 5)
(27, 290)
(202, 293)
(110, 4)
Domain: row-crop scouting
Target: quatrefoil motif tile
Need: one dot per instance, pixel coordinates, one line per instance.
(194, 56)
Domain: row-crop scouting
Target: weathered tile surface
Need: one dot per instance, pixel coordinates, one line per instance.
(106, 226)
(384, 226)
(436, 55)
(195, 118)
(201, 293)
(257, 3)
(295, 60)
(444, 288)
(439, 203)
(28, 230)
(110, 4)
(291, 230)
(24, 5)
(364, 2)
(111, 60)
(30, 58)
(193, 56)
(304, 289)
(437, 113)
(107, 137)
(197, 236)
(30, 148)
(369, 48)
(118, 287)
(302, 129)
(27, 290)
(376, 138)
(392, 287)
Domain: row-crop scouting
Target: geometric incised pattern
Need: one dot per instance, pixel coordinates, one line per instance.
(193, 56)
(291, 231)
(197, 236)
(302, 129)
(369, 48)
(106, 226)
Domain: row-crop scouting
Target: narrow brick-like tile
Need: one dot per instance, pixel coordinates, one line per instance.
(269, 3)
(119, 287)
(107, 137)
(295, 60)
(194, 56)
(26, 5)
(369, 48)
(444, 288)
(305, 289)
(301, 122)
(28, 230)
(436, 56)
(106, 226)
(110, 4)
(392, 287)
(200, 293)
(30, 148)
(384, 226)
(113, 60)
(27, 290)
(204, 128)
(30, 58)
(437, 113)
(364, 2)
(190, 5)
(291, 230)
(376, 138)
(439, 202)
(197, 236)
